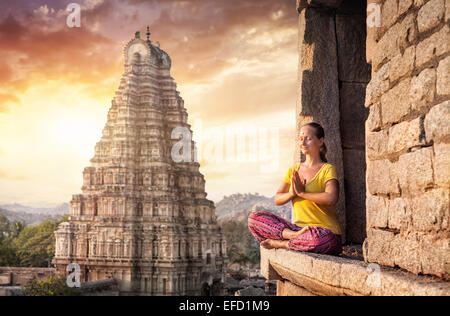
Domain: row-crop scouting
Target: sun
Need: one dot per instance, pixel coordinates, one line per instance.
(76, 130)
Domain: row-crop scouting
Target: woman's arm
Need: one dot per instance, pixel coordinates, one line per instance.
(283, 195)
(329, 197)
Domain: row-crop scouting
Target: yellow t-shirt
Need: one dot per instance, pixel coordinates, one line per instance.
(308, 213)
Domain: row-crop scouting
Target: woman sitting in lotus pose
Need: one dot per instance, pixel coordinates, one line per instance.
(313, 188)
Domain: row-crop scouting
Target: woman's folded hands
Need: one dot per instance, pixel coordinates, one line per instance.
(297, 183)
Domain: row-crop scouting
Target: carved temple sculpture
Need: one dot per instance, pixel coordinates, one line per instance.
(142, 218)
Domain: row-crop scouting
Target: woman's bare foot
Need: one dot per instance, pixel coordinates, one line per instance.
(267, 244)
(291, 234)
(300, 232)
(273, 244)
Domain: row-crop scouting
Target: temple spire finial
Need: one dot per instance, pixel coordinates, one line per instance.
(148, 33)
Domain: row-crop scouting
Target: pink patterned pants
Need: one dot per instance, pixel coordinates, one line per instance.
(266, 225)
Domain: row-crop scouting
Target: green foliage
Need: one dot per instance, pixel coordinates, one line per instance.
(53, 286)
(242, 247)
(8, 231)
(36, 244)
(4, 226)
(27, 246)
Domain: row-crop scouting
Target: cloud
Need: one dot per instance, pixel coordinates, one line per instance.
(30, 56)
(6, 99)
(232, 61)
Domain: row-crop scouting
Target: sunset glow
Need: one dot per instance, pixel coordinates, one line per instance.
(235, 64)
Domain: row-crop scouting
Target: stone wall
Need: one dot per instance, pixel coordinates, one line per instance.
(18, 276)
(408, 138)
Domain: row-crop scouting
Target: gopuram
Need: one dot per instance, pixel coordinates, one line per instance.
(143, 217)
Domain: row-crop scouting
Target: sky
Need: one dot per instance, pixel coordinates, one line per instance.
(234, 63)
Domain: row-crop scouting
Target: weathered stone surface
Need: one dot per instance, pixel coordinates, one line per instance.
(382, 177)
(435, 45)
(355, 277)
(350, 33)
(353, 114)
(286, 288)
(421, 253)
(407, 31)
(397, 38)
(419, 3)
(379, 247)
(355, 179)
(399, 214)
(429, 211)
(373, 122)
(405, 135)
(436, 123)
(422, 90)
(389, 13)
(326, 272)
(442, 164)
(387, 47)
(5, 279)
(430, 15)
(377, 211)
(435, 255)
(416, 170)
(404, 5)
(406, 252)
(378, 85)
(447, 11)
(401, 65)
(443, 77)
(401, 283)
(395, 104)
(376, 144)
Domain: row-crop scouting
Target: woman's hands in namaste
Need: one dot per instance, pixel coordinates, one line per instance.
(297, 183)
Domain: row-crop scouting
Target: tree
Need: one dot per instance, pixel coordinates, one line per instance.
(242, 247)
(36, 244)
(53, 286)
(8, 256)
(30, 246)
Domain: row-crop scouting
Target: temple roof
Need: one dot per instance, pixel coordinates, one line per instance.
(158, 56)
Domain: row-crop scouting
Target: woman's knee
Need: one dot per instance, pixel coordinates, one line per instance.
(257, 214)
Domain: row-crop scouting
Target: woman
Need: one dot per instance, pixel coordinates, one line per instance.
(313, 188)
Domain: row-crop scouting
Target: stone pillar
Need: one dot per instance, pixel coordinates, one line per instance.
(318, 87)
(354, 75)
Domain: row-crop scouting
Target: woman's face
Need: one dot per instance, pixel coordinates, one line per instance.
(309, 143)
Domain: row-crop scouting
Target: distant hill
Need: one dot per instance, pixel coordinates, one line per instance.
(31, 215)
(238, 206)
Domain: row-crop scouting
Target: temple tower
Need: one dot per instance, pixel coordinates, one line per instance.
(143, 217)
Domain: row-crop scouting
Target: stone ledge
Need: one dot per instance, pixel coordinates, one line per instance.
(331, 275)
